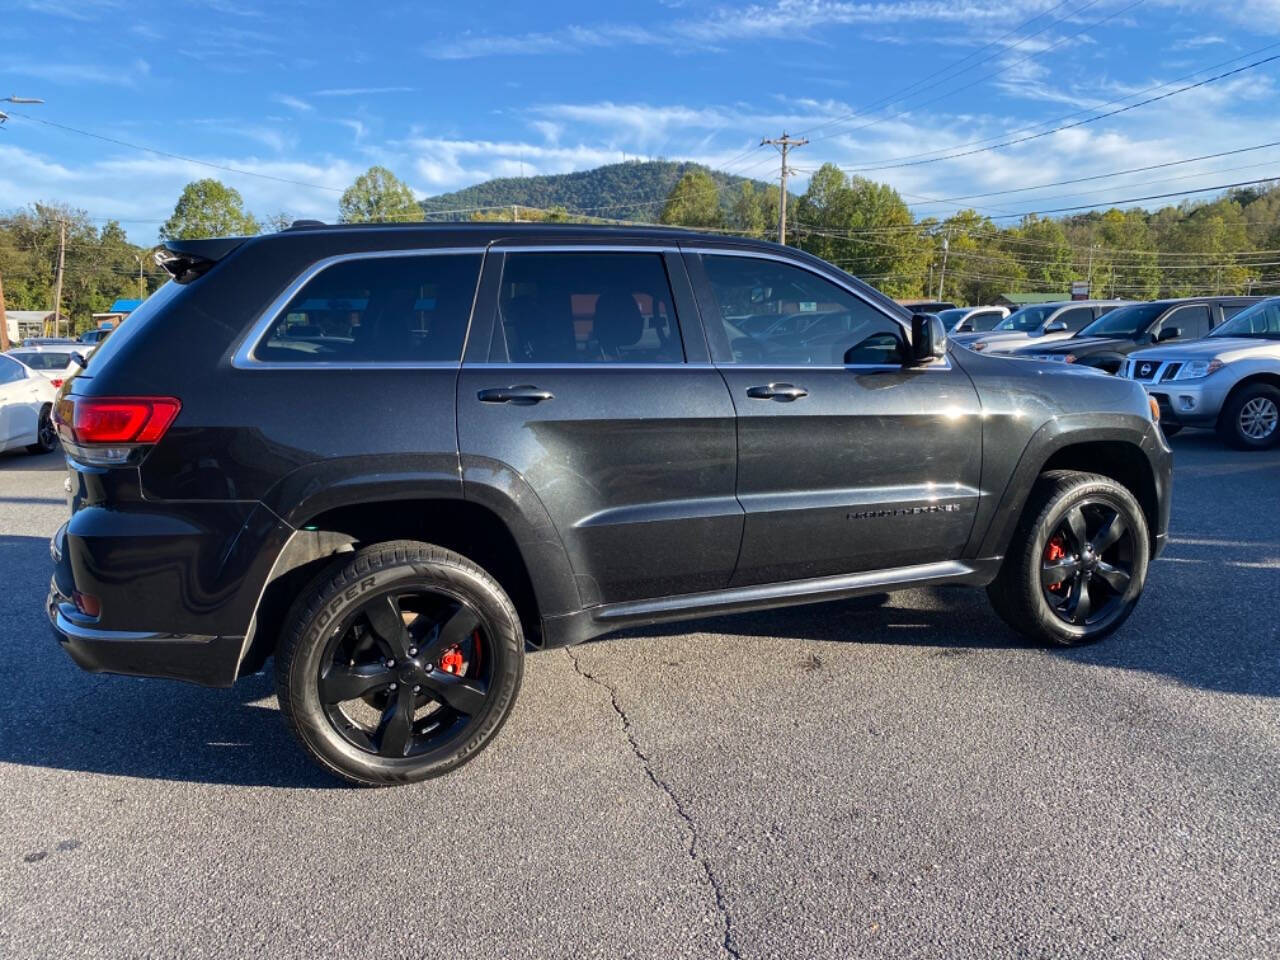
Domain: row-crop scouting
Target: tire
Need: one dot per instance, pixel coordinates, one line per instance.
(398, 663)
(46, 434)
(1043, 547)
(1251, 417)
(1171, 429)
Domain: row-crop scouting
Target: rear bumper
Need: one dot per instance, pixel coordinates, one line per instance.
(209, 661)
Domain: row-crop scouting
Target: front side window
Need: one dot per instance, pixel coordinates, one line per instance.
(1025, 320)
(782, 315)
(1076, 319)
(408, 309)
(569, 308)
(1192, 322)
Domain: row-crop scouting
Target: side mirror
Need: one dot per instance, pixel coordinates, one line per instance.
(1057, 326)
(1169, 333)
(928, 338)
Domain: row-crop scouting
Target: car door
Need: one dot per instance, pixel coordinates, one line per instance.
(590, 388)
(847, 459)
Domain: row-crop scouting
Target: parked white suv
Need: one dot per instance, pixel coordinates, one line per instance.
(1229, 380)
(1043, 323)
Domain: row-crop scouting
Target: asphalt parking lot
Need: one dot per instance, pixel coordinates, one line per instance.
(899, 779)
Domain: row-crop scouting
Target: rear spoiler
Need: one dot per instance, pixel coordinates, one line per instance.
(185, 260)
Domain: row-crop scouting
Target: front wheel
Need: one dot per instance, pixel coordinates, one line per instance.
(1251, 417)
(399, 663)
(1077, 563)
(46, 433)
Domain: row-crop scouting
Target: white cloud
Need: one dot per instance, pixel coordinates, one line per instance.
(360, 91)
(293, 103)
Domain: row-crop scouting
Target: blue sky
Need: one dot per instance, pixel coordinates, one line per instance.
(451, 94)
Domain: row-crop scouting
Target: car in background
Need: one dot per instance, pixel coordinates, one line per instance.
(1043, 323)
(46, 341)
(1108, 340)
(1228, 381)
(927, 306)
(95, 337)
(54, 364)
(972, 319)
(26, 405)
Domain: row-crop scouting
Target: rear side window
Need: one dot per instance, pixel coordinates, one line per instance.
(406, 309)
(44, 361)
(1076, 319)
(984, 320)
(588, 308)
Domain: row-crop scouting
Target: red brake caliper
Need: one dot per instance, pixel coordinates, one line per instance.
(1054, 552)
(451, 662)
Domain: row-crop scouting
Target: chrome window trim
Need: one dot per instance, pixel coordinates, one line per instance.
(595, 247)
(800, 264)
(587, 365)
(244, 359)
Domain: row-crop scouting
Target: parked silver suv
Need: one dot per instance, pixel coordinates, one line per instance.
(1229, 380)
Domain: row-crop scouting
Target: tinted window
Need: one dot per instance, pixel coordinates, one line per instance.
(1076, 319)
(10, 371)
(774, 313)
(983, 320)
(1026, 319)
(1192, 322)
(950, 318)
(379, 310)
(1229, 310)
(1261, 321)
(588, 308)
(43, 360)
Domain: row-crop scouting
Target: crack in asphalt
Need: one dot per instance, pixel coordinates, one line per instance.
(692, 830)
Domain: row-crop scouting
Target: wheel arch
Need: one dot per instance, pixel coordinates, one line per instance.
(534, 580)
(1120, 451)
(1266, 377)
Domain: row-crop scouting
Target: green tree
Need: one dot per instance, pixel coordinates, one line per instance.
(1042, 246)
(208, 208)
(378, 195)
(694, 202)
(747, 214)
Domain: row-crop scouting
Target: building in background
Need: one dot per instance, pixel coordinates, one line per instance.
(27, 323)
(110, 319)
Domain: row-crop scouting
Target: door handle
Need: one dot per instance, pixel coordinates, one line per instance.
(777, 391)
(523, 395)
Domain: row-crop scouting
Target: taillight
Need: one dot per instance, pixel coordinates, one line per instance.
(106, 429)
(57, 382)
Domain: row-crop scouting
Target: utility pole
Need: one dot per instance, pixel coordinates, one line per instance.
(142, 286)
(57, 286)
(515, 213)
(946, 248)
(4, 321)
(1090, 277)
(785, 144)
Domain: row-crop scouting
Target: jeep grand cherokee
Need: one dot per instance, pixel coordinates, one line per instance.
(393, 457)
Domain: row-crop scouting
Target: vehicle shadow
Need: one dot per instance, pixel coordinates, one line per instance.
(19, 461)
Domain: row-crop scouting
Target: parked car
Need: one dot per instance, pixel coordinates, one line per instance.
(46, 341)
(540, 434)
(972, 319)
(95, 337)
(57, 365)
(1108, 340)
(927, 306)
(1044, 323)
(1229, 381)
(26, 402)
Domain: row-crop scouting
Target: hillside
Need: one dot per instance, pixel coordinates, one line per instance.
(634, 190)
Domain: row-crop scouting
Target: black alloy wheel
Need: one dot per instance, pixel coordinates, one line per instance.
(1088, 564)
(46, 433)
(405, 672)
(1076, 565)
(399, 662)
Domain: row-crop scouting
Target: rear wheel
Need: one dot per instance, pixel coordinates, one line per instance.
(399, 663)
(1077, 563)
(1251, 417)
(46, 433)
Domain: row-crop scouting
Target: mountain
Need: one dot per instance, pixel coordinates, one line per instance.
(633, 190)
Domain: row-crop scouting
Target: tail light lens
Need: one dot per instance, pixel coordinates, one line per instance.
(107, 430)
(57, 382)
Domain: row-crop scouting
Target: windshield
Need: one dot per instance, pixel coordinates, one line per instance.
(43, 361)
(1125, 321)
(950, 318)
(1026, 319)
(1259, 322)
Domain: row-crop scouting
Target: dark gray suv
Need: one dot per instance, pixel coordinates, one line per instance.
(396, 457)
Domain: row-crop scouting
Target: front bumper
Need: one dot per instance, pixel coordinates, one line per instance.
(209, 661)
(1189, 403)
